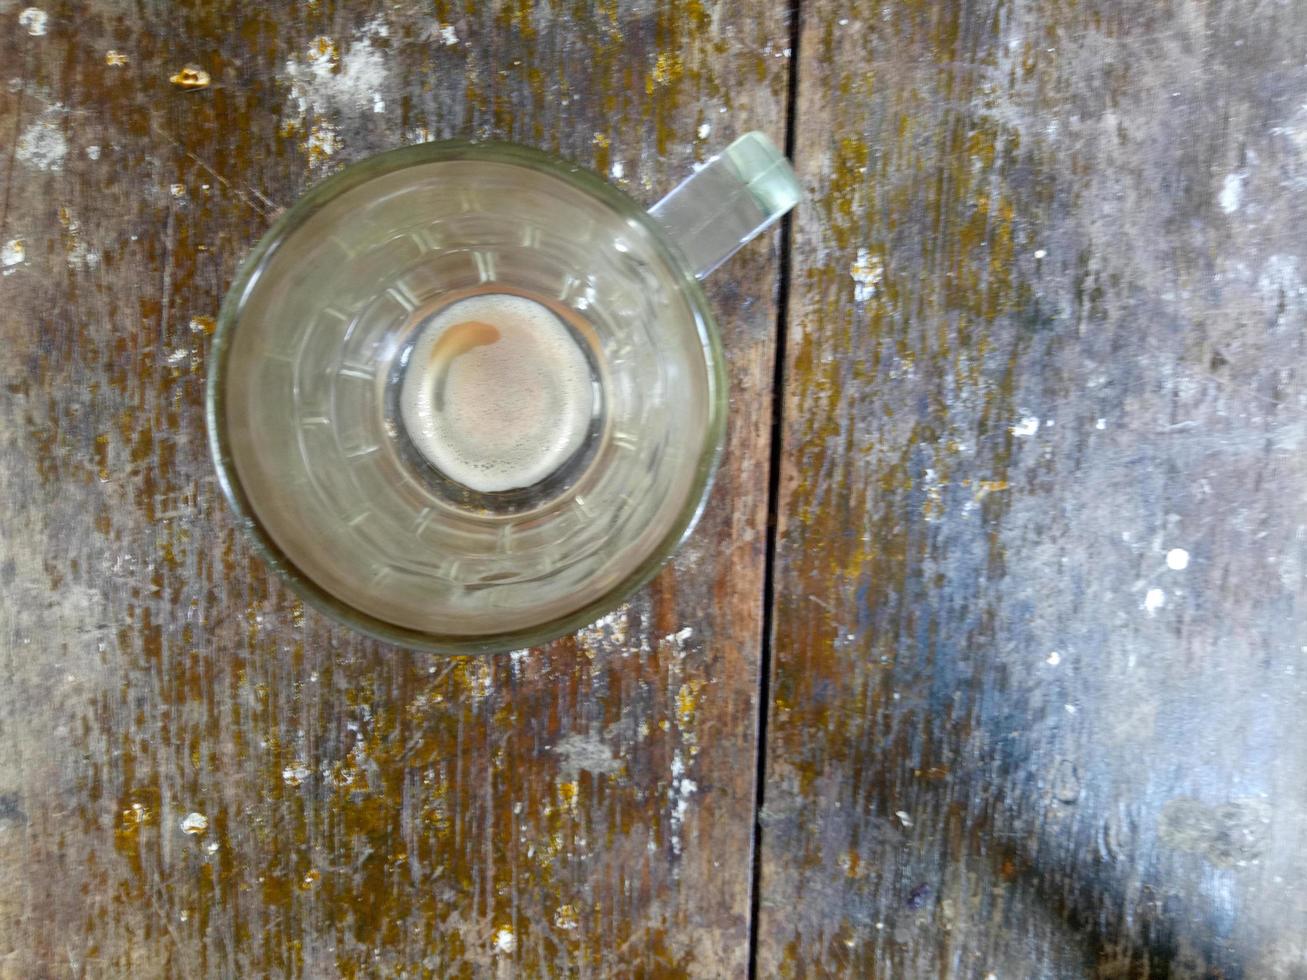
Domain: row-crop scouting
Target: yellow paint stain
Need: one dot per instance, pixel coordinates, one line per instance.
(565, 918)
(851, 862)
(666, 70)
(687, 704)
(323, 48)
(134, 817)
(983, 488)
(933, 506)
(135, 813)
(102, 457)
(192, 76)
(476, 677)
(321, 144)
(932, 772)
(844, 196)
(568, 793)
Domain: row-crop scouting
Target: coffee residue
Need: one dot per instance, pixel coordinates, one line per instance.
(455, 342)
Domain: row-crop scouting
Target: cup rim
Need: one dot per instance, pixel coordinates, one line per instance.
(247, 277)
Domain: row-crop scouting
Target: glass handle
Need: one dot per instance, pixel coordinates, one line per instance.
(733, 197)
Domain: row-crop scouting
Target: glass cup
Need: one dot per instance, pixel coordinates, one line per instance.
(315, 345)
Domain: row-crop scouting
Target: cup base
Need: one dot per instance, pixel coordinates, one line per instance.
(540, 493)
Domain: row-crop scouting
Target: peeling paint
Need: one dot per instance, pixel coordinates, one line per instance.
(34, 20)
(42, 144)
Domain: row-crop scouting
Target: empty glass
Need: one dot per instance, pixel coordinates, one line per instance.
(315, 342)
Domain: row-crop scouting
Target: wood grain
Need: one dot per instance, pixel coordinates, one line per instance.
(1038, 698)
(583, 810)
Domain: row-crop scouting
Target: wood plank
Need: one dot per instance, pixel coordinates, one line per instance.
(582, 810)
(1038, 705)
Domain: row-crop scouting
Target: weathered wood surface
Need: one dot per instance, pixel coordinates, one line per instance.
(583, 810)
(1037, 696)
(1038, 702)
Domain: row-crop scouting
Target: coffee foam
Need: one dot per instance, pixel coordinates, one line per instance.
(497, 394)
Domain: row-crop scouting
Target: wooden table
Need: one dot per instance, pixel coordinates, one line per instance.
(1000, 588)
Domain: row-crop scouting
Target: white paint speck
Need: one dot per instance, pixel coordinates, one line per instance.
(704, 130)
(617, 171)
(211, 847)
(607, 629)
(323, 80)
(505, 941)
(195, 823)
(448, 36)
(378, 103)
(681, 793)
(34, 20)
(844, 22)
(905, 818)
(1177, 559)
(324, 141)
(1280, 278)
(1231, 196)
(678, 639)
(1100, 424)
(679, 797)
(93, 152)
(586, 753)
(1053, 659)
(1040, 253)
(177, 190)
(1070, 708)
(13, 252)
(295, 773)
(1154, 600)
(82, 256)
(1028, 426)
(42, 144)
(867, 274)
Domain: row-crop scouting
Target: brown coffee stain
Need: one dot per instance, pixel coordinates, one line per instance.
(457, 340)
(462, 337)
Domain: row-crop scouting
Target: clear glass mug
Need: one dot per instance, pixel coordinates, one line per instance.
(313, 351)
